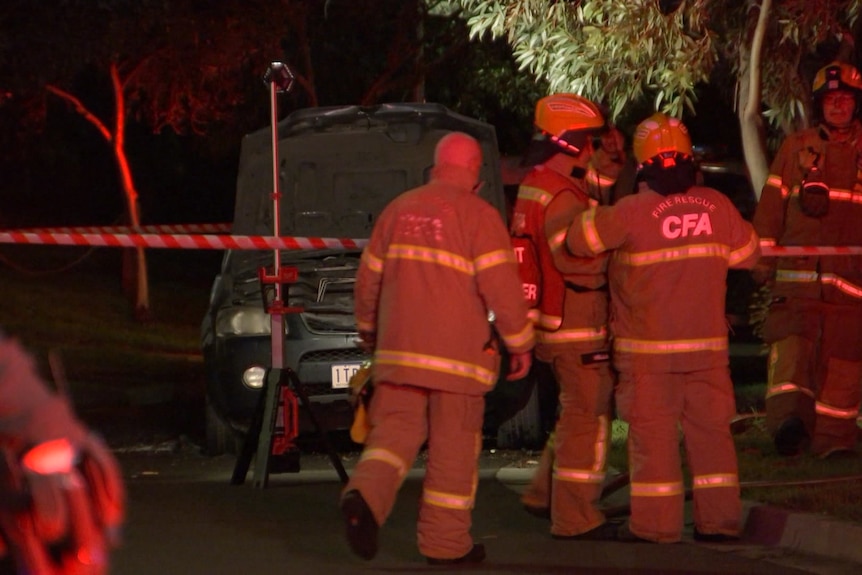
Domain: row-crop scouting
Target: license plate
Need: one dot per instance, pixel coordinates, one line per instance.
(341, 374)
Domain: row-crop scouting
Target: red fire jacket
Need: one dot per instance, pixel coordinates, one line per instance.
(667, 275)
(547, 202)
(780, 221)
(439, 259)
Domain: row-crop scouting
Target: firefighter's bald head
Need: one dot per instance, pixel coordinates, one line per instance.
(459, 149)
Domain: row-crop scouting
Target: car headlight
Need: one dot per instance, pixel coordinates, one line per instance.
(253, 377)
(251, 320)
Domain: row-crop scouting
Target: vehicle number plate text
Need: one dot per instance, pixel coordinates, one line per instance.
(341, 374)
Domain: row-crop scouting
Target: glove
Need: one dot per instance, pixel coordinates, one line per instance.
(762, 272)
(75, 511)
(519, 365)
(361, 389)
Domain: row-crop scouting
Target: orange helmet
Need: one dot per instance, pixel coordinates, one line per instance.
(837, 76)
(568, 119)
(658, 135)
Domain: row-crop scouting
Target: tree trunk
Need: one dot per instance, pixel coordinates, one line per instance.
(141, 292)
(749, 101)
(117, 138)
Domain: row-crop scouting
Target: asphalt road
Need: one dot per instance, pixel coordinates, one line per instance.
(186, 518)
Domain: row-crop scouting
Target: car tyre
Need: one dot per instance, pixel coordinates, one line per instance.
(525, 429)
(221, 438)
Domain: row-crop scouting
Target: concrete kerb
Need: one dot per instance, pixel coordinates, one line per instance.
(763, 525)
(803, 532)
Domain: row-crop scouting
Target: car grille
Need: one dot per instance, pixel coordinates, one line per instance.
(328, 357)
(334, 356)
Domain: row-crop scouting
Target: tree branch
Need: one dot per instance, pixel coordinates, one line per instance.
(82, 110)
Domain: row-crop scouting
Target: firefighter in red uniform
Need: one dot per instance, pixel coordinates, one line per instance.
(606, 164)
(61, 493)
(569, 306)
(813, 196)
(673, 243)
(439, 261)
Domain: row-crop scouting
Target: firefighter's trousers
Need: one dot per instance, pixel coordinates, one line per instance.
(815, 371)
(402, 417)
(581, 439)
(655, 405)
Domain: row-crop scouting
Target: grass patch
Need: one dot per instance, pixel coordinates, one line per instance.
(70, 301)
(803, 483)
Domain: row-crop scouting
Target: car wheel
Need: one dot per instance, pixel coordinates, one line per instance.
(524, 430)
(221, 438)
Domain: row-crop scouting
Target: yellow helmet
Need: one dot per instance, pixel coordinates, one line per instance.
(568, 118)
(837, 76)
(659, 134)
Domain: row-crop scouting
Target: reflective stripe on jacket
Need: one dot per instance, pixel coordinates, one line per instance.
(439, 259)
(547, 202)
(779, 219)
(667, 275)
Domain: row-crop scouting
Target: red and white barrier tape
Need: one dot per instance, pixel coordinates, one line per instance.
(122, 236)
(223, 228)
(771, 250)
(179, 241)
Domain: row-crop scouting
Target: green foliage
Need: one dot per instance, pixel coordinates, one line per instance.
(621, 53)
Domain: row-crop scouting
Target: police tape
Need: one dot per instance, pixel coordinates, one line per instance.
(120, 236)
(178, 241)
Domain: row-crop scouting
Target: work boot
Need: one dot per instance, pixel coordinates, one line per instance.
(607, 531)
(714, 537)
(475, 555)
(791, 436)
(538, 511)
(361, 526)
(625, 535)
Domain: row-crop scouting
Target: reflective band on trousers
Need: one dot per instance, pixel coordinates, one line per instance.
(385, 456)
(447, 500)
(656, 489)
(715, 480)
(567, 335)
(670, 346)
(836, 412)
(787, 387)
(578, 475)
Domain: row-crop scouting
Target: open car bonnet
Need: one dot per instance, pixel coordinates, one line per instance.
(340, 166)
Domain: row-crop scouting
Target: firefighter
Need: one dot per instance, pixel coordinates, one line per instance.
(813, 197)
(62, 498)
(605, 167)
(569, 305)
(439, 261)
(673, 242)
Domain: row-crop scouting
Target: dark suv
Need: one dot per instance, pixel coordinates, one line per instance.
(338, 168)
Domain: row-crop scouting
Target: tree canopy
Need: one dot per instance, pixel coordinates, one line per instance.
(622, 53)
